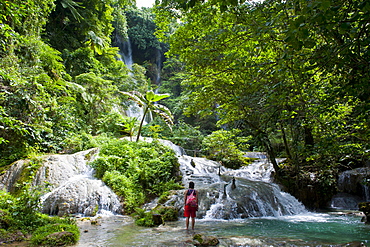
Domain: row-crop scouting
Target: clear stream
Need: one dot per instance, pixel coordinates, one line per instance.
(282, 221)
(249, 210)
(311, 229)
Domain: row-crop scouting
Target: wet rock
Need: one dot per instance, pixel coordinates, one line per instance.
(73, 187)
(192, 163)
(355, 244)
(9, 179)
(9, 237)
(202, 240)
(157, 219)
(352, 181)
(365, 208)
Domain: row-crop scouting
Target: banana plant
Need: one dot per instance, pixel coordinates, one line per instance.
(149, 102)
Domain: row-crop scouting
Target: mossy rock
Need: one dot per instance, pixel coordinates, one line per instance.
(59, 238)
(56, 235)
(5, 219)
(202, 240)
(11, 236)
(365, 208)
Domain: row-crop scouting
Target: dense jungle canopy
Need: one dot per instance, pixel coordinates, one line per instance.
(290, 78)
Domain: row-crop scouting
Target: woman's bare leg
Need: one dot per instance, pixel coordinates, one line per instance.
(187, 223)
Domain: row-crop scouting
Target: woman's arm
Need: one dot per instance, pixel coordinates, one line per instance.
(185, 196)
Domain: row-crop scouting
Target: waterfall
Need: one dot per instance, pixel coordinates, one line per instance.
(125, 51)
(254, 194)
(73, 188)
(353, 188)
(224, 193)
(159, 67)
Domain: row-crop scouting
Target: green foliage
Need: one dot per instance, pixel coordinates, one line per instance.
(141, 29)
(111, 122)
(55, 86)
(143, 218)
(168, 213)
(137, 171)
(23, 209)
(124, 186)
(149, 102)
(21, 213)
(64, 31)
(156, 216)
(35, 106)
(289, 73)
(227, 147)
(96, 100)
(182, 134)
(56, 235)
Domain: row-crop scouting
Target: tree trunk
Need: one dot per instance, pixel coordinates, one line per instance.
(285, 142)
(272, 156)
(141, 123)
(270, 151)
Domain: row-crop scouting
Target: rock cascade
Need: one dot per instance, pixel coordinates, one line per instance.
(73, 188)
(352, 189)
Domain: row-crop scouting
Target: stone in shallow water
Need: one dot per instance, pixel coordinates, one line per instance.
(202, 240)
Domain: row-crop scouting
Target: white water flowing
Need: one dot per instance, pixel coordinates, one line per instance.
(73, 188)
(125, 51)
(251, 195)
(353, 188)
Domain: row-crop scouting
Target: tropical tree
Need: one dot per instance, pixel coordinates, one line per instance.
(149, 102)
(271, 69)
(227, 147)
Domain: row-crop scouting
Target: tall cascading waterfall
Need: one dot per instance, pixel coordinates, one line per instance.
(158, 68)
(73, 188)
(231, 194)
(125, 52)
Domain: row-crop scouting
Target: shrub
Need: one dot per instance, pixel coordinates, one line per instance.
(226, 146)
(168, 213)
(22, 210)
(56, 235)
(19, 215)
(147, 219)
(137, 171)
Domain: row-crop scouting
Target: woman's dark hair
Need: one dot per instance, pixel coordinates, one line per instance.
(191, 185)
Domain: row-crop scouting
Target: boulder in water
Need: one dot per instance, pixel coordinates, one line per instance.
(365, 208)
(202, 240)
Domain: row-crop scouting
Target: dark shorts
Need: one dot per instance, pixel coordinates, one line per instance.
(190, 211)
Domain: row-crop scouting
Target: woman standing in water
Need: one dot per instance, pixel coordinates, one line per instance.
(191, 205)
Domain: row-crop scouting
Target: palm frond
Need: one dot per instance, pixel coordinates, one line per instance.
(70, 4)
(135, 96)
